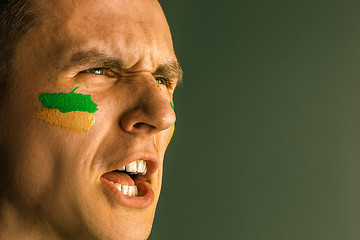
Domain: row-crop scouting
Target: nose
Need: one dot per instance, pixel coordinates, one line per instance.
(152, 112)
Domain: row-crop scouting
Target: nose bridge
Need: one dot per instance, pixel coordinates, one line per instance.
(156, 102)
(153, 93)
(153, 111)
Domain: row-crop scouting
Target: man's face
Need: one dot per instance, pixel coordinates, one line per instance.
(119, 52)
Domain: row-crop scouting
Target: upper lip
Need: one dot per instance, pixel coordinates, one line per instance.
(151, 159)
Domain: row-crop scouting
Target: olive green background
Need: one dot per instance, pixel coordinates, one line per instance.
(267, 144)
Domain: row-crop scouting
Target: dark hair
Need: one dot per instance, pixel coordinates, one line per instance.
(16, 18)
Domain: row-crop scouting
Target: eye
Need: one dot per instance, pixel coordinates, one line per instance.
(96, 71)
(162, 80)
(102, 71)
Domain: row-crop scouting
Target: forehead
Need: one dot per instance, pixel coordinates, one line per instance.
(133, 30)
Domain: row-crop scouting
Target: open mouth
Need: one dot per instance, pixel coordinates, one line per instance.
(129, 184)
(123, 178)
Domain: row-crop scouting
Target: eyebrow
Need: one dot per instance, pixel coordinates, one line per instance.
(95, 58)
(171, 70)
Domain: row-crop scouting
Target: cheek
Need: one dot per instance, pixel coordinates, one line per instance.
(172, 127)
(30, 165)
(163, 139)
(171, 135)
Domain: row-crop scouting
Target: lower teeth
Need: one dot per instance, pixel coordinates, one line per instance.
(127, 190)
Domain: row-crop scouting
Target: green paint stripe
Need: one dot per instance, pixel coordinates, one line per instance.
(173, 107)
(68, 102)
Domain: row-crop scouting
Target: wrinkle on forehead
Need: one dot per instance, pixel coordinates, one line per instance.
(134, 30)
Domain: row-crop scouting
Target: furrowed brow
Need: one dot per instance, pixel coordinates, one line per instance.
(93, 58)
(171, 70)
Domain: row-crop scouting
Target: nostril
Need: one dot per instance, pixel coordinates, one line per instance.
(142, 125)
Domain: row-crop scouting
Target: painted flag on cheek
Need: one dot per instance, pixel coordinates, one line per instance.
(71, 111)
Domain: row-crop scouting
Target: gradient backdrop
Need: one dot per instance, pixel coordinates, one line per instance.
(267, 144)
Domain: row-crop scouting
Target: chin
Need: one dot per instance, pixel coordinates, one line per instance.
(116, 223)
(136, 230)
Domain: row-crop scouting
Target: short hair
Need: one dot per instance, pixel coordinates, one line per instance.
(16, 18)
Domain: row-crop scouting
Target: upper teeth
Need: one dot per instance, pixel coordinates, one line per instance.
(135, 167)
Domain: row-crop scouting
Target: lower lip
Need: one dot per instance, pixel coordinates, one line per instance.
(143, 200)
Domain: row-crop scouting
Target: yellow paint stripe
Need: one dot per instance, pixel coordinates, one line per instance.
(74, 121)
(171, 135)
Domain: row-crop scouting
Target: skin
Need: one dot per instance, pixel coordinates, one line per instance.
(50, 177)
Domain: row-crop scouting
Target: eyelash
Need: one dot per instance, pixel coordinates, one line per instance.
(96, 71)
(163, 80)
(106, 72)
